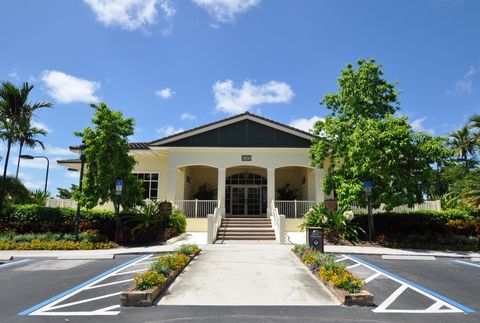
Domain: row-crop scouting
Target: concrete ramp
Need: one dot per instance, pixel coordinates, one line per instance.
(246, 275)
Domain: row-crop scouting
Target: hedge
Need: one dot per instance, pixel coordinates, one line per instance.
(423, 225)
(39, 219)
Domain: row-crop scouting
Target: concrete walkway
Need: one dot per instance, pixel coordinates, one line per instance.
(247, 275)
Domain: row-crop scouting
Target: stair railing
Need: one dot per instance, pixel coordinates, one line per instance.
(214, 222)
(278, 224)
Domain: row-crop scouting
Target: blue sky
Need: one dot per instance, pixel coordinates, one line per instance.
(174, 64)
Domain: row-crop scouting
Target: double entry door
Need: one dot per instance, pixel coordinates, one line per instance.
(246, 200)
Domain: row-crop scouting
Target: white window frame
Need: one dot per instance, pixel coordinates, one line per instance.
(149, 196)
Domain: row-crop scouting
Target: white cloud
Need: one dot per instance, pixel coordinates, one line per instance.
(131, 14)
(187, 116)
(226, 10)
(417, 125)
(40, 125)
(304, 123)
(39, 163)
(165, 93)
(14, 75)
(71, 174)
(169, 130)
(466, 85)
(67, 88)
(236, 100)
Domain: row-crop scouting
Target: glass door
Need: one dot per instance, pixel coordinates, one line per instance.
(237, 200)
(253, 200)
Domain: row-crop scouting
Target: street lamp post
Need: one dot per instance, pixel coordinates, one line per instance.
(48, 167)
(81, 149)
(368, 192)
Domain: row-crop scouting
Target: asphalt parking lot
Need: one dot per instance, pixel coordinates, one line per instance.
(50, 290)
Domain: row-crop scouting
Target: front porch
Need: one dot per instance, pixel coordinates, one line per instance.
(246, 191)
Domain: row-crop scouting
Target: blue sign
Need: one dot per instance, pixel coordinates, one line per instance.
(118, 187)
(368, 184)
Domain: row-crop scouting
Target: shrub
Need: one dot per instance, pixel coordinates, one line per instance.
(55, 245)
(148, 280)
(188, 249)
(174, 261)
(178, 220)
(299, 249)
(161, 268)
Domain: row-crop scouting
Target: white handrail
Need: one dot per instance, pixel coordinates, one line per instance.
(214, 222)
(278, 224)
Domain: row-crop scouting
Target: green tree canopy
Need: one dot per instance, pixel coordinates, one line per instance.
(107, 158)
(362, 140)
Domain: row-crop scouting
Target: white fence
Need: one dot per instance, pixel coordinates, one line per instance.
(427, 205)
(293, 209)
(66, 203)
(197, 208)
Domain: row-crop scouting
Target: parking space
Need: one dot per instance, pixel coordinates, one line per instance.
(439, 286)
(96, 296)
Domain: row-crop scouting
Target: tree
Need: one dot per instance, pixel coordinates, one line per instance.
(107, 158)
(14, 111)
(15, 191)
(362, 140)
(463, 145)
(65, 193)
(27, 137)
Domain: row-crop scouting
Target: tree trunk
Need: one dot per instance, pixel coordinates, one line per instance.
(18, 162)
(4, 179)
(465, 158)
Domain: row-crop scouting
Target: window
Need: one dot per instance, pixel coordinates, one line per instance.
(150, 185)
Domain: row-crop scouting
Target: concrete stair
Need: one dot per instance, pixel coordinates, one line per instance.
(246, 229)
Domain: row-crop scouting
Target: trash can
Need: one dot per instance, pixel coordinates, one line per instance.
(165, 210)
(315, 238)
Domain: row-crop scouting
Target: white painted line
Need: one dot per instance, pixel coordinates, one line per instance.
(353, 266)
(106, 309)
(369, 279)
(341, 259)
(399, 257)
(390, 299)
(132, 272)
(418, 289)
(435, 307)
(85, 257)
(76, 313)
(83, 301)
(45, 309)
(110, 284)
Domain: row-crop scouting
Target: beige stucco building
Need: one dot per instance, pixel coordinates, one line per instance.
(244, 161)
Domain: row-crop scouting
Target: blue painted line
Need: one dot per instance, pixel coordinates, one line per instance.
(465, 263)
(54, 298)
(15, 263)
(426, 290)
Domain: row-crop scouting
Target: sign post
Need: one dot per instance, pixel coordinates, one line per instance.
(118, 193)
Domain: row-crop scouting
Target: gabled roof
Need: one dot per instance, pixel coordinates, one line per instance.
(220, 123)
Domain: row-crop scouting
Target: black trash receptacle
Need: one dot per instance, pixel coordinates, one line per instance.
(315, 238)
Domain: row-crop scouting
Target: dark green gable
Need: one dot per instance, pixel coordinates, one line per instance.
(245, 133)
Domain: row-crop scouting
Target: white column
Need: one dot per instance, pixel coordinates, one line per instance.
(172, 183)
(319, 195)
(270, 188)
(221, 188)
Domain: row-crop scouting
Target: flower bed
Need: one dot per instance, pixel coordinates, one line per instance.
(88, 240)
(151, 284)
(343, 284)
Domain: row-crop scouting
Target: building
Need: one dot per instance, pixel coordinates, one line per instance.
(244, 162)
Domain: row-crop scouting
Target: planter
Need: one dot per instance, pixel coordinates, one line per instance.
(362, 298)
(144, 298)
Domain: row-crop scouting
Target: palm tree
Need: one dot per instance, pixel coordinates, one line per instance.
(474, 124)
(14, 110)
(463, 145)
(26, 136)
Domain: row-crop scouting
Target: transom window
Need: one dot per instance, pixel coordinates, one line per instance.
(150, 185)
(245, 179)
